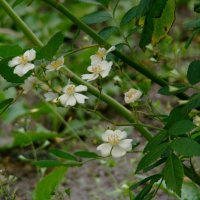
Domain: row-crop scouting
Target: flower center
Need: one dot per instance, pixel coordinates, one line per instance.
(131, 94)
(97, 69)
(113, 139)
(70, 89)
(57, 63)
(101, 53)
(23, 60)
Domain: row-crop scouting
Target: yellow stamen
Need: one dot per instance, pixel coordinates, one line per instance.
(97, 69)
(70, 89)
(56, 64)
(113, 139)
(24, 60)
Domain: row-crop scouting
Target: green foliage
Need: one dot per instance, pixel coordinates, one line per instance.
(48, 184)
(49, 50)
(181, 127)
(97, 17)
(86, 154)
(106, 32)
(129, 16)
(151, 156)
(155, 141)
(173, 174)
(7, 51)
(193, 73)
(186, 147)
(62, 154)
(6, 102)
(158, 22)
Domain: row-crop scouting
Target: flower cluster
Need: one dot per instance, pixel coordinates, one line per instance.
(116, 143)
(99, 67)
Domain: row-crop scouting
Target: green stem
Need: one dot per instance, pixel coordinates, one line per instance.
(26, 30)
(140, 68)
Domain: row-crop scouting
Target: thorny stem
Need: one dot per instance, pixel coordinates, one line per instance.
(126, 113)
(26, 30)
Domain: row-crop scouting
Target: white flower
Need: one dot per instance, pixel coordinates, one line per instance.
(100, 55)
(56, 64)
(51, 96)
(196, 120)
(22, 63)
(71, 95)
(116, 144)
(132, 95)
(101, 68)
(29, 83)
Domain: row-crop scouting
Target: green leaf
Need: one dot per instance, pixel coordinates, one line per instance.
(194, 102)
(143, 7)
(193, 73)
(48, 184)
(49, 50)
(48, 163)
(96, 17)
(108, 31)
(147, 32)
(157, 22)
(186, 147)
(10, 51)
(7, 72)
(62, 154)
(155, 177)
(86, 154)
(129, 16)
(4, 103)
(177, 114)
(173, 174)
(25, 139)
(151, 156)
(190, 191)
(163, 24)
(155, 141)
(181, 127)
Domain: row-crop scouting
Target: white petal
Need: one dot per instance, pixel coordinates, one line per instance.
(121, 134)
(89, 77)
(106, 135)
(80, 88)
(19, 70)
(80, 98)
(71, 101)
(126, 144)
(27, 67)
(105, 149)
(63, 99)
(29, 83)
(117, 151)
(95, 59)
(107, 67)
(15, 61)
(30, 54)
(61, 60)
